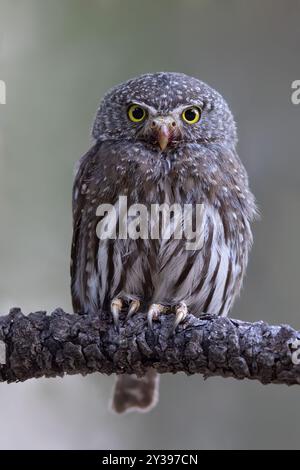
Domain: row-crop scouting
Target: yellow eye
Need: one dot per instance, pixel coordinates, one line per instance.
(191, 115)
(136, 113)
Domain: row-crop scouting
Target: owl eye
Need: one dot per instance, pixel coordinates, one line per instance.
(136, 113)
(191, 115)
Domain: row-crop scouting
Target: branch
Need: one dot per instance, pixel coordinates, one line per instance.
(53, 345)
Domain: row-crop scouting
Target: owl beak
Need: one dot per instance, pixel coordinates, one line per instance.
(164, 130)
(164, 135)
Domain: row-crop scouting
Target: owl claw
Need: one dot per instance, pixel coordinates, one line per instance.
(133, 308)
(115, 308)
(153, 313)
(181, 312)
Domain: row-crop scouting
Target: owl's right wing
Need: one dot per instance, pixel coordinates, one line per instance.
(88, 193)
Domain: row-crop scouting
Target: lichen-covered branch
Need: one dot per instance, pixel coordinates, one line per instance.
(53, 345)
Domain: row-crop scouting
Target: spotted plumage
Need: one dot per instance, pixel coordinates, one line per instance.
(162, 159)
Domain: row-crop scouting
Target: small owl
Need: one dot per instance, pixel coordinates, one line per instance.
(161, 138)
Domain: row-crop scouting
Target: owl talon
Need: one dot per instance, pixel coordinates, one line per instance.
(181, 312)
(115, 308)
(153, 313)
(133, 308)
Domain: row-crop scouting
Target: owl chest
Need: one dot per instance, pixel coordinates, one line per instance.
(175, 247)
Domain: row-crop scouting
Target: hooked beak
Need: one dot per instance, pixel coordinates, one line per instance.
(164, 130)
(163, 136)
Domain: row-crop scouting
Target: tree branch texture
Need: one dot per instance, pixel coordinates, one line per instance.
(53, 345)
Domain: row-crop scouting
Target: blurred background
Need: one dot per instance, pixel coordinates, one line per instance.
(58, 57)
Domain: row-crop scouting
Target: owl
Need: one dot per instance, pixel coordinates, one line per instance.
(161, 138)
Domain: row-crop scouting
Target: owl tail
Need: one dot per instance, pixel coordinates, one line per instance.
(132, 393)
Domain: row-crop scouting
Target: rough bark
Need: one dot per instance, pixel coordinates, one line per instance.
(53, 345)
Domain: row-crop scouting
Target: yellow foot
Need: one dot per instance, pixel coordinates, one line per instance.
(181, 312)
(115, 308)
(154, 311)
(133, 308)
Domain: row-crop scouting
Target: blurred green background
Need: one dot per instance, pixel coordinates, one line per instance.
(57, 58)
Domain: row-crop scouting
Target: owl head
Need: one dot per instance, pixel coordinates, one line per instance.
(164, 110)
